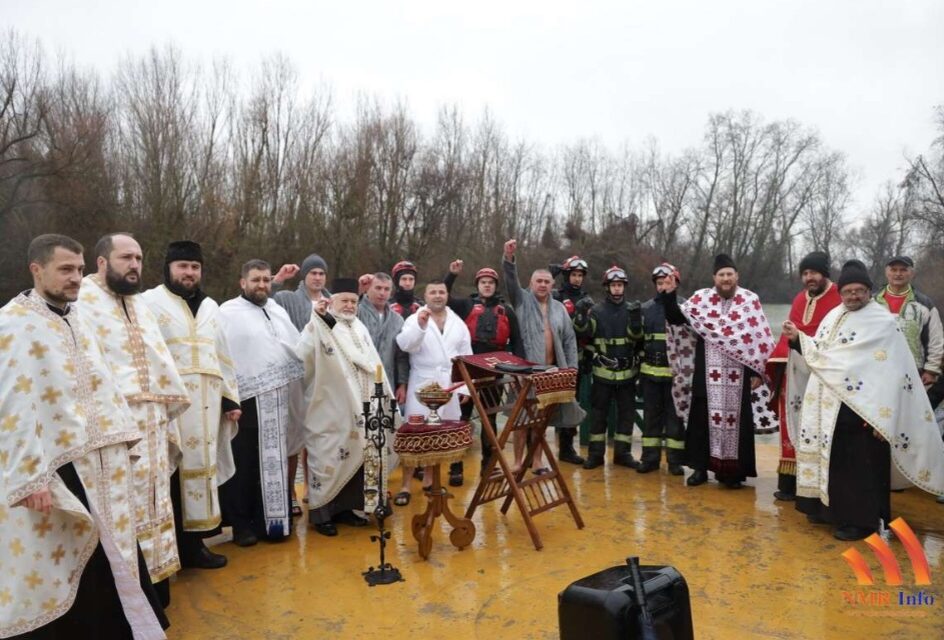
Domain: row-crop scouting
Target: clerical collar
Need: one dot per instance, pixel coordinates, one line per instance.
(59, 311)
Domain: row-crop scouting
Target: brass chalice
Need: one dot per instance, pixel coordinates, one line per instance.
(433, 396)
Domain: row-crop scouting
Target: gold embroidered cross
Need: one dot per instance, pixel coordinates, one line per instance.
(37, 350)
(42, 527)
(96, 382)
(58, 554)
(29, 465)
(118, 475)
(33, 580)
(64, 439)
(5, 342)
(103, 331)
(5, 597)
(17, 548)
(50, 604)
(163, 381)
(81, 527)
(51, 395)
(9, 422)
(23, 384)
(122, 523)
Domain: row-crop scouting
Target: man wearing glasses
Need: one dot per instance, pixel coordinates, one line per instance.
(863, 406)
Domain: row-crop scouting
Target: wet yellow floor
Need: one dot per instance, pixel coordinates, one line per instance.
(755, 567)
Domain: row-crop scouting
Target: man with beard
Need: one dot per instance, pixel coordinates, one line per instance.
(313, 274)
(71, 564)
(862, 408)
(189, 322)
(147, 375)
(341, 365)
(262, 340)
(492, 326)
(715, 372)
(547, 335)
(660, 419)
(614, 328)
(432, 337)
(810, 306)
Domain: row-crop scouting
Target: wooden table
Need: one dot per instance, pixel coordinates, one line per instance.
(432, 445)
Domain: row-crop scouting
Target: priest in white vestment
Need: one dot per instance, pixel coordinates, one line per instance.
(341, 367)
(71, 566)
(861, 408)
(262, 340)
(189, 322)
(147, 375)
(432, 337)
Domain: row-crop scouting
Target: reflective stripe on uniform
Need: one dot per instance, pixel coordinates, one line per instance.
(611, 341)
(622, 437)
(652, 442)
(674, 444)
(615, 376)
(654, 371)
(597, 437)
(655, 336)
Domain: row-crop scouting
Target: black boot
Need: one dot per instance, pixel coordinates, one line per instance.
(455, 474)
(565, 447)
(700, 476)
(625, 459)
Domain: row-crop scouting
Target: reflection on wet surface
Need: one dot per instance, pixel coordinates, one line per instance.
(755, 568)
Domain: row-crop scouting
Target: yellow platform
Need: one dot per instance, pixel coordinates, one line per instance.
(755, 567)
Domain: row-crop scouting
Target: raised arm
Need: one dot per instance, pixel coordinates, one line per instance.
(510, 271)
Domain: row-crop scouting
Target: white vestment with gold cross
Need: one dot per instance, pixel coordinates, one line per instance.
(199, 348)
(147, 376)
(60, 404)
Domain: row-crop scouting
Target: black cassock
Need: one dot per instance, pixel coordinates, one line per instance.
(697, 439)
(859, 476)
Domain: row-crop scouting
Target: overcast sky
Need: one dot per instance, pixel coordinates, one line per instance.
(865, 73)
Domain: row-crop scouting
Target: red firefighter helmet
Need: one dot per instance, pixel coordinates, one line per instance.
(486, 272)
(615, 274)
(666, 269)
(575, 263)
(401, 268)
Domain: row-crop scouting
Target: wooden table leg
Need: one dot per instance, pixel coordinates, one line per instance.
(463, 529)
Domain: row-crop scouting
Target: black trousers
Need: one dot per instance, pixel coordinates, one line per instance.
(661, 422)
(602, 394)
(241, 496)
(859, 477)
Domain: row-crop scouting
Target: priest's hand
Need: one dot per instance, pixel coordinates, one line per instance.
(40, 501)
(422, 317)
(234, 415)
(321, 307)
(401, 394)
(286, 272)
(510, 247)
(928, 377)
(790, 330)
(455, 267)
(755, 382)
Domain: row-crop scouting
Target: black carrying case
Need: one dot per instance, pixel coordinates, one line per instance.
(602, 606)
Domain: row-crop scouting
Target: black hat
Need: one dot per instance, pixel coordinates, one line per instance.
(723, 261)
(905, 260)
(816, 261)
(184, 250)
(344, 285)
(854, 272)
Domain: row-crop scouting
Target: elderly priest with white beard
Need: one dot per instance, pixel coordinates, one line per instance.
(341, 366)
(863, 408)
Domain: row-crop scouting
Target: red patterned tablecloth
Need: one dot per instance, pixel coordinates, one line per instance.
(421, 445)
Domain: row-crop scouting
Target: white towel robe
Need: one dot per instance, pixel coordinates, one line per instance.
(431, 353)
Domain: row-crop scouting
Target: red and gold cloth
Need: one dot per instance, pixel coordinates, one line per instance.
(806, 312)
(422, 445)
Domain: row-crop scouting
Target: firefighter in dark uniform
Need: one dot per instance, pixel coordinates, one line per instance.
(492, 325)
(404, 282)
(615, 328)
(660, 421)
(574, 271)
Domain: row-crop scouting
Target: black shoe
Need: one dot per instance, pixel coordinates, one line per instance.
(647, 467)
(592, 462)
(327, 529)
(204, 559)
(351, 519)
(455, 479)
(418, 473)
(783, 496)
(851, 533)
(698, 477)
(244, 538)
(732, 484)
(625, 460)
(815, 519)
(569, 454)
(676, 470)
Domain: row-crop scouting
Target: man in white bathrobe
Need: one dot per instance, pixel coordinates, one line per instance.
(432, 336)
